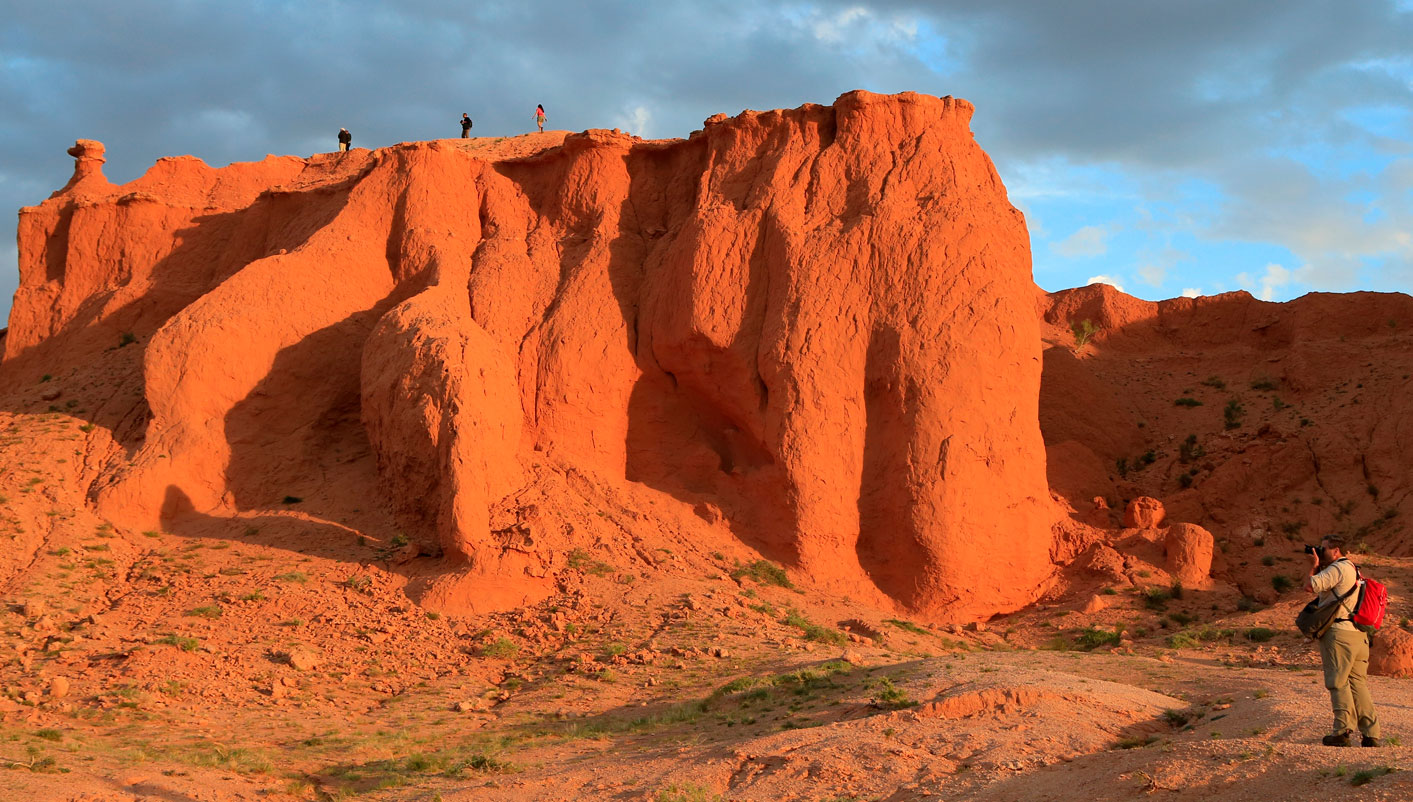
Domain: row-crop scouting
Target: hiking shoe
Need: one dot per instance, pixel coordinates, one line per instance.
(1336, 740)
(1367, 741)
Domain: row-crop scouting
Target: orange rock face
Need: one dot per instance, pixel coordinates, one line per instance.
(1187, 552)
(1267, 424)
(1144, 513)
(818, 323)
(1391, 652)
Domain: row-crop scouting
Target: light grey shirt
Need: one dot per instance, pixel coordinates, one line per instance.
(1332, 582)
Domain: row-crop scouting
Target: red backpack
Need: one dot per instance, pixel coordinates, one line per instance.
(1373, 600)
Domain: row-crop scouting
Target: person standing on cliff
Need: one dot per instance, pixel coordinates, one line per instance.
(1344, 648)
(465, 125)
(540, 117)
(345, 140)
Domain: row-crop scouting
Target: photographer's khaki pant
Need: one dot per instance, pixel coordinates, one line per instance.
(1345, 654)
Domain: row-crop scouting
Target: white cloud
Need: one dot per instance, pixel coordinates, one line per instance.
(1152, 275)
(1275, 278)
(1192, 292)
(832, 29)
(1087, 241)
(637, 120)
(1105, 280)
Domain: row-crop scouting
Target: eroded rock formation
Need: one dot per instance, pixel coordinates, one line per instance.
(819, 322)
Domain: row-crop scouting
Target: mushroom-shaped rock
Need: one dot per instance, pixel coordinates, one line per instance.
(1391, 654)
(1187, 549)
(88, 164)
(1144, 512)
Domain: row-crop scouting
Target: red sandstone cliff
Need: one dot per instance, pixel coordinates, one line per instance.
(1269, 424)
(819, 322)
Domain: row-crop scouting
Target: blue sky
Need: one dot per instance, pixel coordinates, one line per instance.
(1169, 148)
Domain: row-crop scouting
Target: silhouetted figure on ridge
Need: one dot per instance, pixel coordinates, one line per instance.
(465, 126)
(345, 140)
(540, 117)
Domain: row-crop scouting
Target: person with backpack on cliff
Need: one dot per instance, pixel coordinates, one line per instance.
(345, 140)
(1344, 646)
(465, 125)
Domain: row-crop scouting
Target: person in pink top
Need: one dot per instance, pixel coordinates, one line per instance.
(540, 117)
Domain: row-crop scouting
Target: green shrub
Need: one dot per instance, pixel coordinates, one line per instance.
(1260, 634)
(892, 697)
(1083, 331)
(583, 561)
(1282, 583)
(1137, 742)
(813, 631)
(1187, 402)
(686, 793)
(1094, 638)
(501, 648)
(1215, 382)
(1177, 718)
(1233, 414)
(907, 626)
(1363, 776)
(764, 572)
(1190, 450)
(182, 642)
(1156, 598)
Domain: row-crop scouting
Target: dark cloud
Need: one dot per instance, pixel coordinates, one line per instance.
(1160, 91)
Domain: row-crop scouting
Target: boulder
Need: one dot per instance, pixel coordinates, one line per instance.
(1187, 554)
(1144, 512)
(1391, 654)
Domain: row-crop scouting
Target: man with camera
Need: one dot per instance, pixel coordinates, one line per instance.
(1344, 648)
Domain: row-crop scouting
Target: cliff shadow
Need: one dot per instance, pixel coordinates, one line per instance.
(302, 423)
(696, 427)
(293, 530)
(105, 349)
(888, 548)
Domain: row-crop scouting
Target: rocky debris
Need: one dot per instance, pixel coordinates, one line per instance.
(471, 706)
(1144, 512)
(404, 554)
(708, 512)
(1104, 562)
(1187, 553)
(1391, 654)
(1094, 604)
(300, 659)
(58, 687)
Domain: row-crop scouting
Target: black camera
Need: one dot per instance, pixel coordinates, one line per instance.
(1312, 549)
